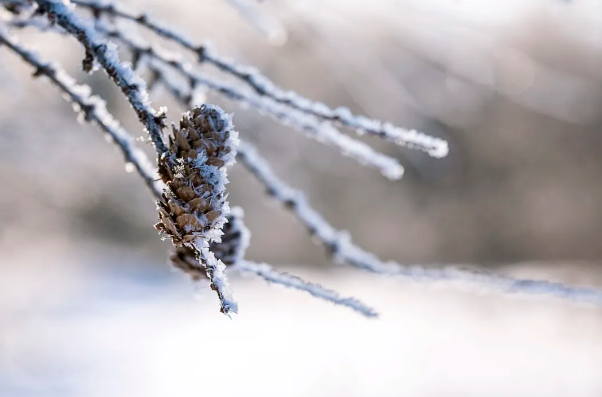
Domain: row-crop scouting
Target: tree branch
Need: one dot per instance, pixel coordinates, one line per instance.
(130, 84)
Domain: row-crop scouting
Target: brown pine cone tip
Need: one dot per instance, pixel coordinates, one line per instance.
(194, 205)
(230, 250)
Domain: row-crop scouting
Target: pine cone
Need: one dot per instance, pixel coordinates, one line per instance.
(230, 250)
(194, 204)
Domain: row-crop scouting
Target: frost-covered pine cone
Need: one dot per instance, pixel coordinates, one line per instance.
(193, 208)
(194, 204)
(230, 250)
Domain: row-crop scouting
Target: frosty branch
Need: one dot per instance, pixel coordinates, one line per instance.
(194, 158)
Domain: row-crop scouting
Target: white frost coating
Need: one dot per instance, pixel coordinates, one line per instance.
(215, 271)
(435, 147)
(343, 249)
(270, 275)
(93, 109)
(105, 53)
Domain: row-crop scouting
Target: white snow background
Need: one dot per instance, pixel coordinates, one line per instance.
(123, 331)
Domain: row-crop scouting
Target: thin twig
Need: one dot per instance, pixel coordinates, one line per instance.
(272, 276)
(215, 270)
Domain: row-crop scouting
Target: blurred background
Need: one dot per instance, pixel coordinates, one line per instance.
(88, 306)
